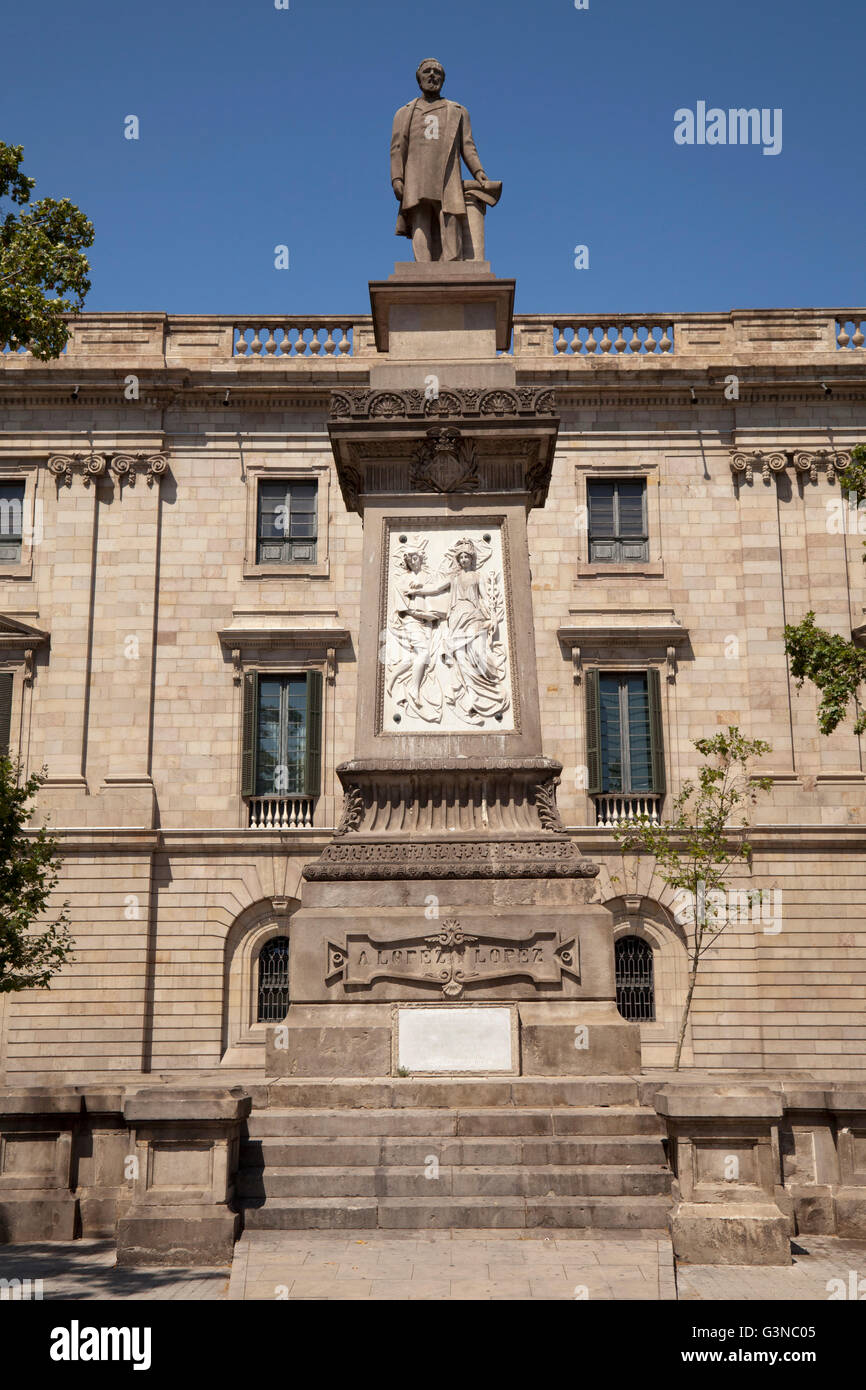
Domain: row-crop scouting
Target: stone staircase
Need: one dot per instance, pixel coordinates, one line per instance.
(479, 1154)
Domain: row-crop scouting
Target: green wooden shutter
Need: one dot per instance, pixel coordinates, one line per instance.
(593, 732)
(313, 762)
(5, 711)
(657, 742)
(249, 732)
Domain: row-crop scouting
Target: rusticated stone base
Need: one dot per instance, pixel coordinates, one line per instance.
(850, 1203)
(755, 1233)
(177, 1236)
(29, 1215)
(554, 1039)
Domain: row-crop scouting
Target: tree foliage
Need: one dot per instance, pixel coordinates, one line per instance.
(29, 871)
(43, 270)
(705, 837)
(835, 665)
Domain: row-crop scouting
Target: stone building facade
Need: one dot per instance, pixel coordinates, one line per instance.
(180, 604)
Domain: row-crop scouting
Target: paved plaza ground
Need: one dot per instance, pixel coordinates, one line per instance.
(441, 1265)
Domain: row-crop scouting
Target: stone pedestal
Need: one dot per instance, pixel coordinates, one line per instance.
(450, 881)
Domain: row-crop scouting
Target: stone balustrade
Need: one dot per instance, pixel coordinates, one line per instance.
(127, 341)
(280, 812)
(587, 337)
(284, 338)
(613, 809)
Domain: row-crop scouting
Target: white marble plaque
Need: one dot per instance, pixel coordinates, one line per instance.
(446, 644)
(444, 1038)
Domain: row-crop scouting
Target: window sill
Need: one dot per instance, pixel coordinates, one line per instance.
(319, 570)
(24, 571)
(590, 569)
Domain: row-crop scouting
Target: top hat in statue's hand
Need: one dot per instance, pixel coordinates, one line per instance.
(489, 192)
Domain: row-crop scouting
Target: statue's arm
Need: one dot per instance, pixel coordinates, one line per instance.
(469, 152)
(397, 161)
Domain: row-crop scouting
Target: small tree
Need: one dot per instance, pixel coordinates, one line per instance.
(29, 871)
(704, 839)
(835, 665)
(41, 262)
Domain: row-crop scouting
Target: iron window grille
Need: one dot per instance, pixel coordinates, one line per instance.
(635, 988)
(273, 1001)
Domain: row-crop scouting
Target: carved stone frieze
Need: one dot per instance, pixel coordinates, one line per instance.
(450, 960)
(746, 463)
(368, 859)
(358, 403)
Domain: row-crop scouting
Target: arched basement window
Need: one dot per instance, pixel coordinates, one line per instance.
(274, 980)
(635, 994)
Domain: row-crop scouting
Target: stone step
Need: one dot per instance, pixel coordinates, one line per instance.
(482, 1213)
(451, 1093)
(443, 1123)
(373, 1151)
(466, 1181)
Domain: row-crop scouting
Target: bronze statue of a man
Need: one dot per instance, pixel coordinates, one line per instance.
(429, 138)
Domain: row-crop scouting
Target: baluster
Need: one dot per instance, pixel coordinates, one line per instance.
(619, 345)
(605, 343)
(271, 344)
(285, 344)
(330, 345)
(300, 343)
(665, 343)
(842, 336)
(635, 342)
(650, 340)
(256, 344)
(858, 338)
(344, 347)
(560, 346)
(241, 344)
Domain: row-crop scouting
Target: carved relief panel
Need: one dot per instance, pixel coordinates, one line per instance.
(445, 632)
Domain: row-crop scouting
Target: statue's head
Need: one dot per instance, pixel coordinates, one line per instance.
(413, 560)
(430, 76)
(465, 554)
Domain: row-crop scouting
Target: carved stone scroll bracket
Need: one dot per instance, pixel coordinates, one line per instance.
(237, 666)
(672, 663)
(28, 666)
(576, 665)
(746, 463)
(545, 805)
(353, 810)
(124, 467)
(63, 466)
(331, 665)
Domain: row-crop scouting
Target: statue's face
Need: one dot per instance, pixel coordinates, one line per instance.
(466, 560)
(430, 78)
(414, 561)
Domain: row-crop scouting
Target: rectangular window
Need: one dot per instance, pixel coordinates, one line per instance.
(282, 734)
(11, 522)
(625, 750)
(5, 712)
(287, 526)
(617, 519)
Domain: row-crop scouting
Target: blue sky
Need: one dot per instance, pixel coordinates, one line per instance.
(261, 127)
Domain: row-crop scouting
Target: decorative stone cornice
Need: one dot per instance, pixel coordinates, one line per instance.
(125, 467)
(746, 462)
